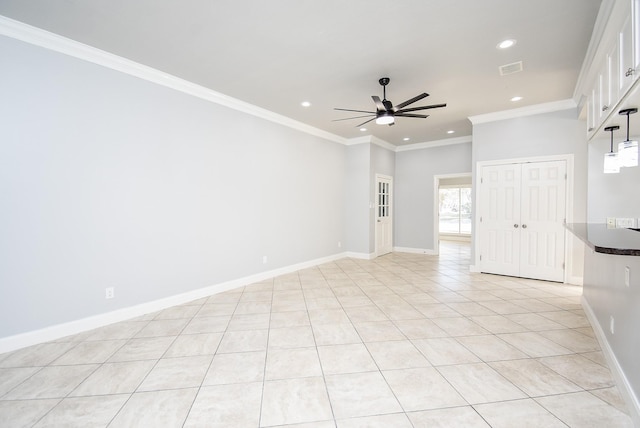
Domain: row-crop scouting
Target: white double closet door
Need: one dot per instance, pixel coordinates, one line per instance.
(522, 212)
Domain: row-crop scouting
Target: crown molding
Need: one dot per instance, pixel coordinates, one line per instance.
(45, 39)
(370, 139)
(524, 111)
(435, 143)
(381, 143)
(365, 139)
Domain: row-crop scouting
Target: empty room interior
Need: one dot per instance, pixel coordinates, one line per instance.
(421, 213)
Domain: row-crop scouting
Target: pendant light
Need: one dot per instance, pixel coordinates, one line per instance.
(628, 150)
(611, 159)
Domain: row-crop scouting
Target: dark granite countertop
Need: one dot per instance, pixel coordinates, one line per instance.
(622, 242)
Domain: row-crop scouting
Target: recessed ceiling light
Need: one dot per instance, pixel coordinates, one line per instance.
(363, 129)
(514, 99)
(451, 131)
(305, 104)
(506, 44)
(406, 139)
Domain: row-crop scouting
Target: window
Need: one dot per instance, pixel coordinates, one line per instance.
(455, 210)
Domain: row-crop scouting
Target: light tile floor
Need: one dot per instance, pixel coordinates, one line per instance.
(405, 340)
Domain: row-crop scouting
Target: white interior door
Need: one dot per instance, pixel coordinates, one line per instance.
(500, 219)
(543, 205)
(384, 219)
(521, 219)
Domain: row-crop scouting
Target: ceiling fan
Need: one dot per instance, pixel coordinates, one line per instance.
(386, 112)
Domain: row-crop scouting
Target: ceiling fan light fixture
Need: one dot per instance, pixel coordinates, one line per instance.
(385, 119)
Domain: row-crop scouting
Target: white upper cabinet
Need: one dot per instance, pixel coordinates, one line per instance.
(616, 65)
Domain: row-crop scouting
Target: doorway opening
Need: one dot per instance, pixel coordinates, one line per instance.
(452, 209)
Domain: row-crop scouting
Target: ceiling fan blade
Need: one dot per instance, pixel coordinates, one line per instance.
(357, 111)
(406, 110)
(424, 116)
(364, 123)
(379, 105)
(412, 100)
(354, 117)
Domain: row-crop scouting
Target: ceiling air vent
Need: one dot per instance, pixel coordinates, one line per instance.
(506, 69)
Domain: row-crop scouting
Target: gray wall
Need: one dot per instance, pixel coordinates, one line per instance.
(414, 191)
(608, 296)
(611, 195)
(556, 133)
(356, 203)
(107, 180)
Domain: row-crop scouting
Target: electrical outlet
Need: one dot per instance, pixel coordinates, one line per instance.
(611, 222)
(264, 260)
(627, 274)
(612, 325)
(109, 293)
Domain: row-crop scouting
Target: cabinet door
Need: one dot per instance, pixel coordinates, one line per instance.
(627, 63)
(591, 112)
(500, 219)
(613, 63)
(604, 89)
(636, 38)
(542, 220)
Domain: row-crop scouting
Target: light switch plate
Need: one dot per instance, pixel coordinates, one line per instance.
(627, 274)
(625, 222)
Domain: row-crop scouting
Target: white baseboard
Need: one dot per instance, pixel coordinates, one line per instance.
(58, 331)
(624, 387)
(362, 256)
(462, 238)
(415, 251)
(575, 280)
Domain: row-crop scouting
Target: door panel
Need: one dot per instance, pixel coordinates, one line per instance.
(543, 211)
(499, 239)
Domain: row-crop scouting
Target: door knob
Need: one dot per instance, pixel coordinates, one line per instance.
(515, 225)
(524, 226)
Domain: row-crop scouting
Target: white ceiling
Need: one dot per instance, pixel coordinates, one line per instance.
(276, 54)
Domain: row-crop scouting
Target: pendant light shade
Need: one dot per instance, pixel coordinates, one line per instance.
(628, 153)
(611, 159)
(628, 150)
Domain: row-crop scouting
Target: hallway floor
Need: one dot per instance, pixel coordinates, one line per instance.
(405, 340)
